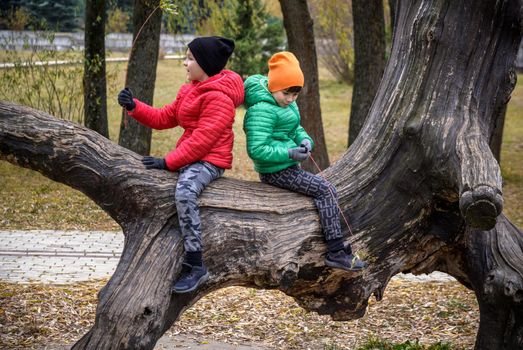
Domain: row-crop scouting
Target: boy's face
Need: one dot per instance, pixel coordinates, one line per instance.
(284, 98)
(194, 71)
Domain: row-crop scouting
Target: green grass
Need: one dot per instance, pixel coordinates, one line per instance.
(380, 344)
(5, 56)
(512, 157)
(30, 201)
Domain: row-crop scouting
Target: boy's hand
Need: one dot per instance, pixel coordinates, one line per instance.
(125, 99)
(298, 153)
(307, 144)
(154, 163)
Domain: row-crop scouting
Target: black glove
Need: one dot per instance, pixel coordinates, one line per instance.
(154, 163)
(125, 99)
(307, 144)
(298, 153)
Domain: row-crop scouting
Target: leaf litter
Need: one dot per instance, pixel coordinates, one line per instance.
(34, 315)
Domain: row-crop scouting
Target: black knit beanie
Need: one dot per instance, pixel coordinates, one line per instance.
(211, 53)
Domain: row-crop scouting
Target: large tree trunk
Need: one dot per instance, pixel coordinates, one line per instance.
(369, 60)
(300, 36)
(419, 186)
(95, 91)
(141, 72)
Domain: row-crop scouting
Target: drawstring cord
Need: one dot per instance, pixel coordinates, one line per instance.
(338, 204)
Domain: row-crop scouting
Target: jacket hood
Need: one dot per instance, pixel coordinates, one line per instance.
(227, 82)
(256, 91)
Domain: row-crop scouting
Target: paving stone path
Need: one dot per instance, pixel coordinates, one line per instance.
(65, 257)
(58, 257)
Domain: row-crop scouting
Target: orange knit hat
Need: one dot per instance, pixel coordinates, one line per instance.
(284, 71)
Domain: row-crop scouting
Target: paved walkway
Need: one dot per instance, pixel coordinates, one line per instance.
(58, 257)
(65, 257)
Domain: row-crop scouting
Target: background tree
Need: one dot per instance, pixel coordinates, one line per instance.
(95, 88)
(191, 16)
(141, 72)
(61, 15)
(369, 59)
(117, 21)
(256, 33)
(300, 37)
(126, 6)
(13, 17)
(334, 37)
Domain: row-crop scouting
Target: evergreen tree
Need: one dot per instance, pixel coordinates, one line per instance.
(12, 16)
(126, 6)
(256, 33)
(59, 15)
(188, 18)
(6, 5)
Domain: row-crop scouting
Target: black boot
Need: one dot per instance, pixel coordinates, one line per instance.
(193, 273)
(190, 278)
(344, 259)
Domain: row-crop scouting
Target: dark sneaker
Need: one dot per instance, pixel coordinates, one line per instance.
(342, 260)
(190, 278)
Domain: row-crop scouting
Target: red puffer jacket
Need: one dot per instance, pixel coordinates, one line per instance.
(206, 111)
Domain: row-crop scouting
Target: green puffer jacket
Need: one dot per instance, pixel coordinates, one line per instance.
(270, 129)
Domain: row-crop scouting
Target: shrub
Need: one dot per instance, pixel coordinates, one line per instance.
(36, 80)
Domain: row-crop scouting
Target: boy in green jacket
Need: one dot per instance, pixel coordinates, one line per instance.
(277, 143)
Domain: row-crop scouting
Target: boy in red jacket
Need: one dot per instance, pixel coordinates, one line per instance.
(205, 108)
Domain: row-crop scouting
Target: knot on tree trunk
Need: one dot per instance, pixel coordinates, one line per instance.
(481, 206)
(500, 283)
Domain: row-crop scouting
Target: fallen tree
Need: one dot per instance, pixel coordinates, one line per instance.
(419, 186)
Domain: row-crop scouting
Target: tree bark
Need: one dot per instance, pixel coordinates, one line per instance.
(300, 37)
(95, 90)
(141, 72)
(419, 187)
(369, 60)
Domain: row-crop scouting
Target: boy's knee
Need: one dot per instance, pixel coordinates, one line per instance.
(333, 190)
(185, 193)
(328, 189)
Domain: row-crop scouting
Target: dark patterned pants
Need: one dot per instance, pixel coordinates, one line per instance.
(192, 181)
(323, 192)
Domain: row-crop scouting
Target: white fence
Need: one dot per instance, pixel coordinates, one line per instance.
(17, 40)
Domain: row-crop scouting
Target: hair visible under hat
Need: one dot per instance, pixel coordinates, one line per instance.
(211, 53)
(284, 71)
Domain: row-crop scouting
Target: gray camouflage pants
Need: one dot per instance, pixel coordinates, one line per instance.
(192, 181)
(323, 192)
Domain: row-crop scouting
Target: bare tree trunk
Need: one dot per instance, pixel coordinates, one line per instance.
(300, 36)
(369, 60)
(95, 91)
(419, 185)
(141, 72)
